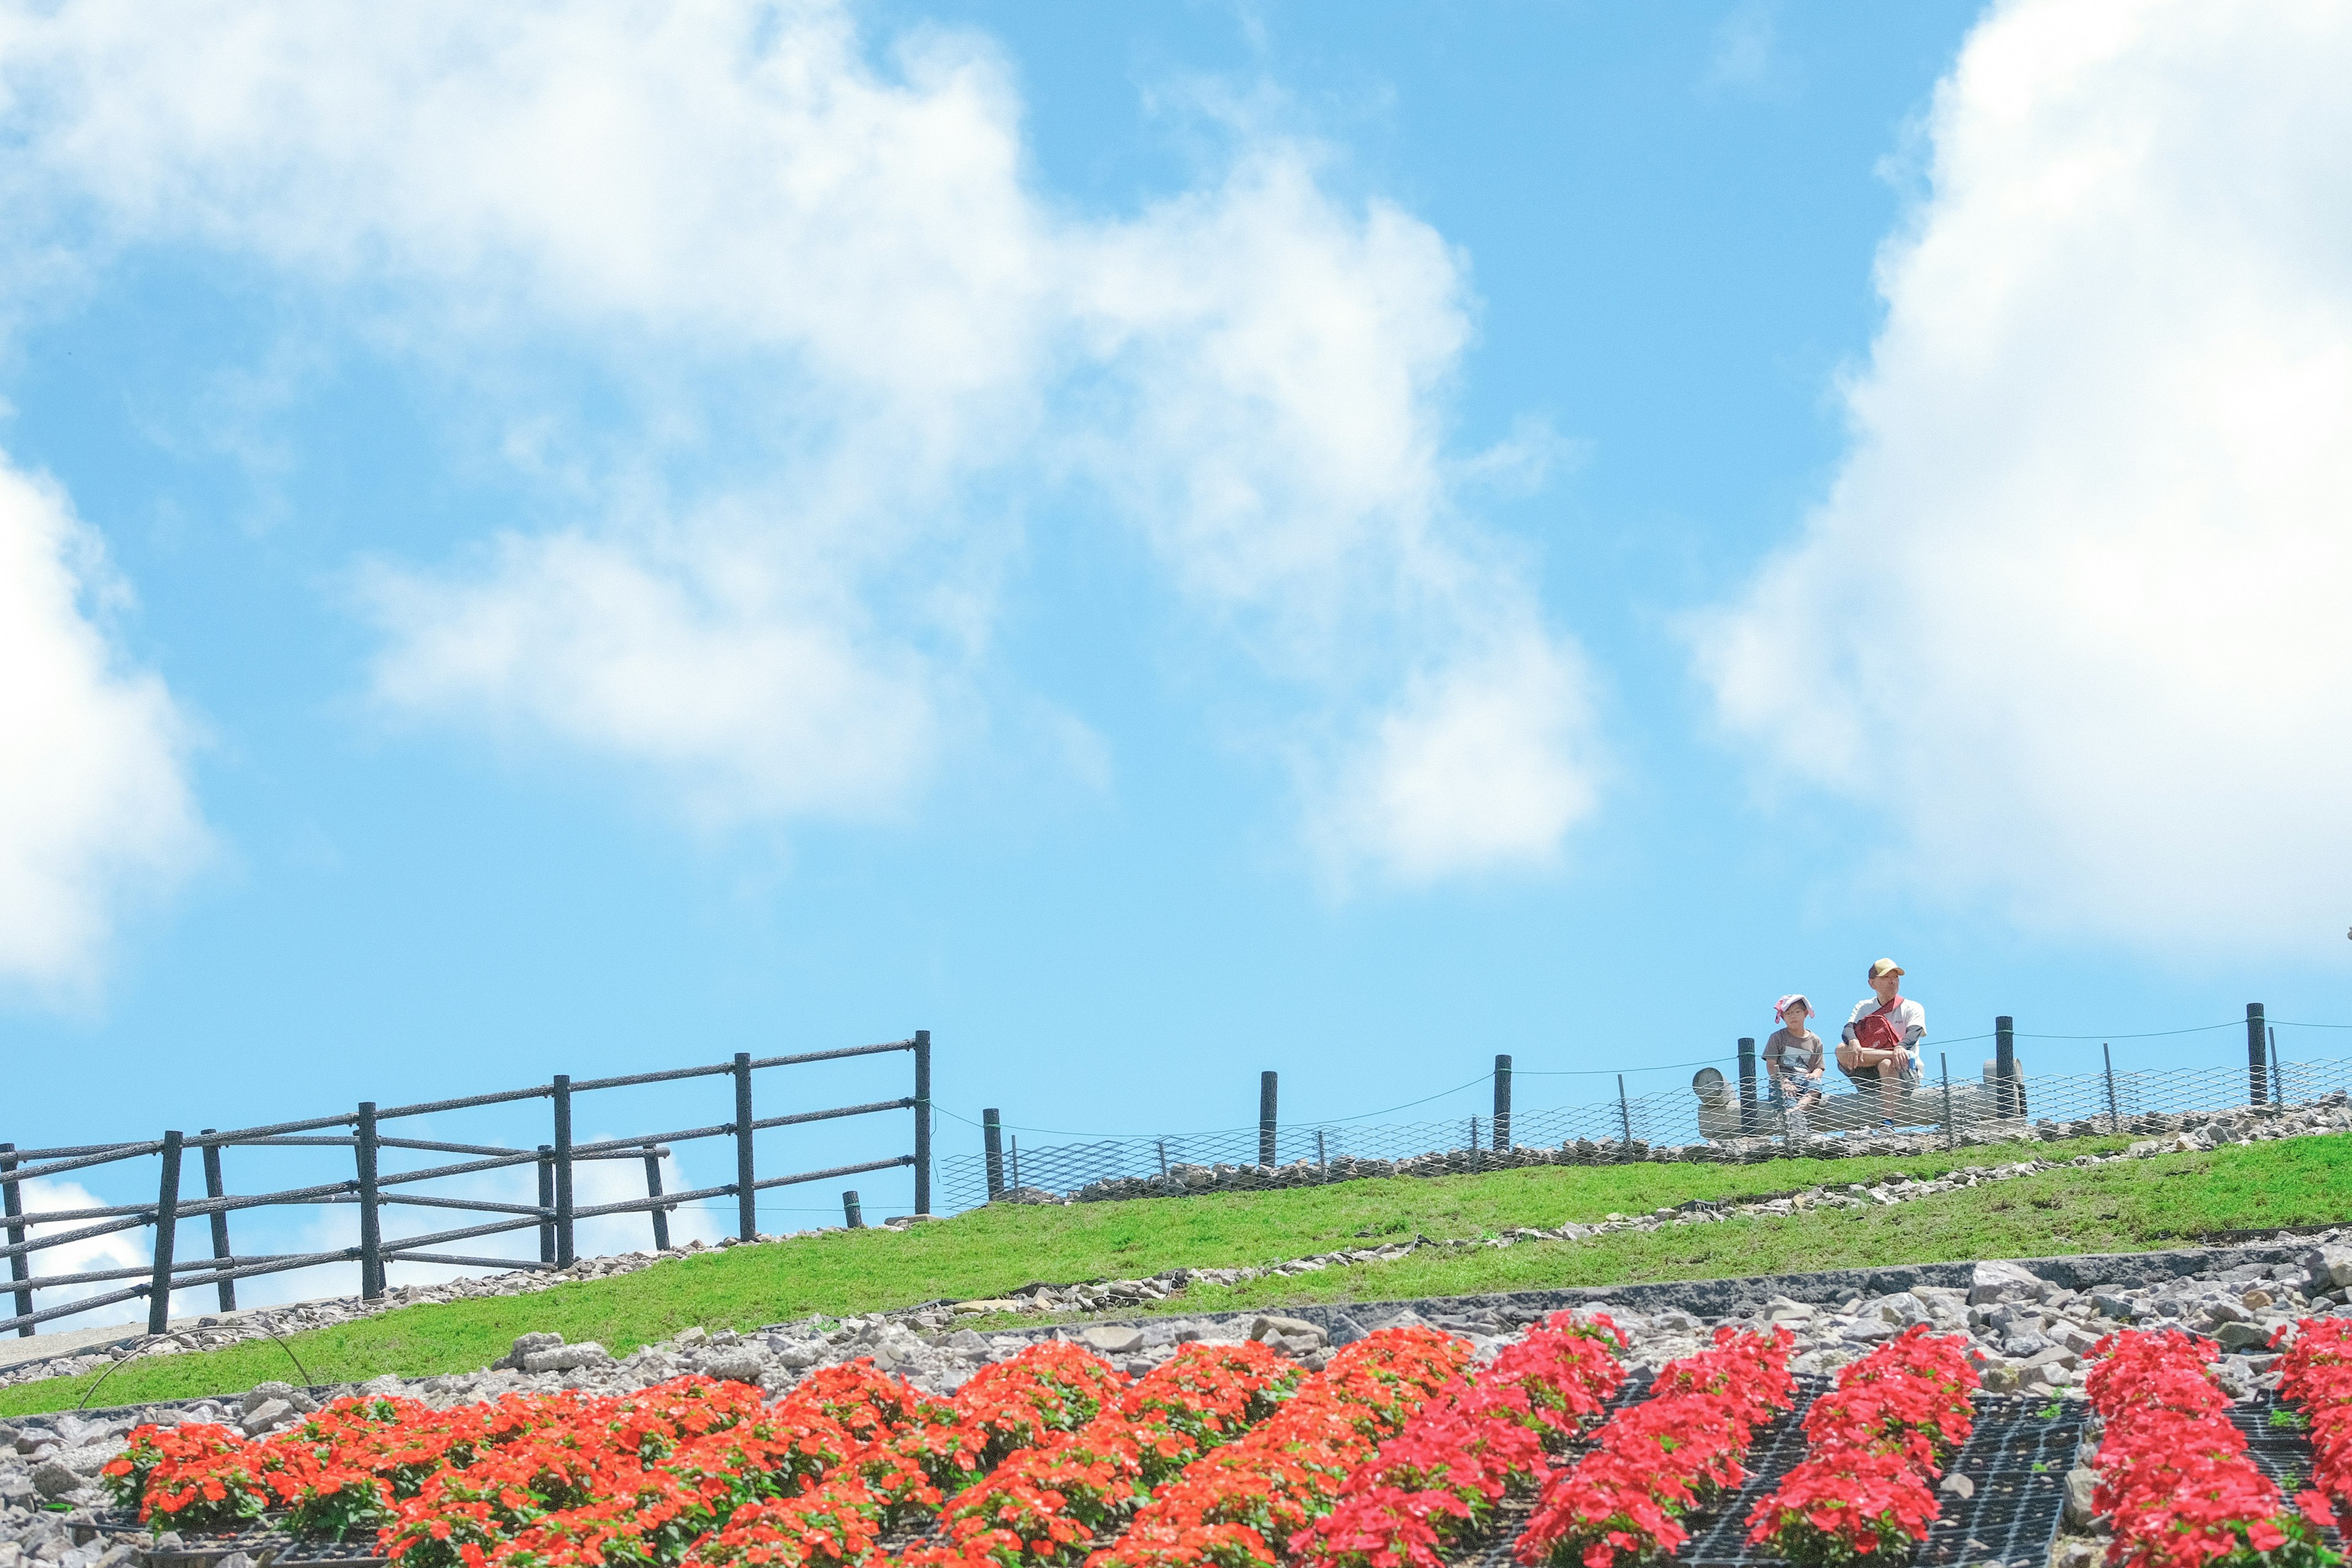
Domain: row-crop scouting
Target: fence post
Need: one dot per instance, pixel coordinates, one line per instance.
(654, 1189)
(2115, 1122)
(1747, 1084)
(215, 1189)
(167, 1219)
(1624, 1120)
(547, 1202)
(20, 1267)
(1322, 1158)
(991, 1139)
(747, 1198)
(922, 1122)
(1952, 1134)
(1266, 1118)
(370, 1218)
(1475, 1163)
(1017, 1165)
(565, 1253)
(1162, 1146)
(2004, 1066)
(852, 1214)
(2256, 1067)
(2278, 1082)
(1502, 1102)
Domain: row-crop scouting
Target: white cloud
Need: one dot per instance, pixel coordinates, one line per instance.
(91, 1255)
(96, 812)
(832, 282)
(2073, 612)
(1470, 769)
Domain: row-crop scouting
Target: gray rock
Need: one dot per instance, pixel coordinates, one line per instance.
(2243, 1336)
(2080, 1480)
(1269, 1325)
(261, 1417)
(1111, 1339)
(263, 1393)
(737, 1364)
(2329, 1267)
(53, 1479)
(1995, 1282)
(527, 1345)
(561, 1357)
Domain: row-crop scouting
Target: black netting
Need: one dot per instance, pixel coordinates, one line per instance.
(1677, 1124)
(2017, 1460)
(2278, 1441)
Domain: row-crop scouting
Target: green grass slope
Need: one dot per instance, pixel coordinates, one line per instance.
(2128, 1206)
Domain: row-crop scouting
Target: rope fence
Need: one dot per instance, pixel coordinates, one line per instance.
(1713, 1119)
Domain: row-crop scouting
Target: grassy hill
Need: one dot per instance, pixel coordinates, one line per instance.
(2132, 1206)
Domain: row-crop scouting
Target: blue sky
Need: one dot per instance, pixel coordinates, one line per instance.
(1157, 543)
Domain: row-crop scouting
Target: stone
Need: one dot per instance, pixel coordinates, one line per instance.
(527, 1345)
(262, 1393)
(565, 1358)
(53, 1479)
(990, 1304)
(737, 1364)
(1960, 1485)
(261, 1417)
(2080, 1480)
(2329, 1267)
(2243, 1336)
(1269, 1325)
(2002, 1281)
(1111, 1339)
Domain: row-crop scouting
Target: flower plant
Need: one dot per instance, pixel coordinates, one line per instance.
(2174, 1476)
(1654, 1463)
(1435, 1483)
(1875, 1446)
(2316, 1376)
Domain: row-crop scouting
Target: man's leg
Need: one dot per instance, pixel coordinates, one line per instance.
(1890, 1084)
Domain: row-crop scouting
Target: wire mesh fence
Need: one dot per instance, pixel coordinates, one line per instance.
(1714, 1118)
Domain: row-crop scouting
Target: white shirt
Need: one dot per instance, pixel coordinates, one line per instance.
(1909, 1018)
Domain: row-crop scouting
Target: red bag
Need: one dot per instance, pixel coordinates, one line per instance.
(1876, 1032)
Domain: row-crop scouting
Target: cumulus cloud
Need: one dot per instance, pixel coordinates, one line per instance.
(2072, 613)
(96, 810)
(830, 257)
(90, 1255)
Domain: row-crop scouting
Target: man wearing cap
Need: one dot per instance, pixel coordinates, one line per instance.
(1882, 1038)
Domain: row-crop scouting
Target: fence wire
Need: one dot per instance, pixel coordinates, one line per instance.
(1713, 1119)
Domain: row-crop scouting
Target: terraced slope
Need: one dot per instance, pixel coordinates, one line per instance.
(2134, 1205)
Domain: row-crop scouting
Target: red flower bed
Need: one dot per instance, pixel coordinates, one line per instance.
(1052, 1502)
(2173, 1471)
(2316, 1374)
(1436, 1483)
(1226, 1506)
(1655, 1462)
(1875, 1444)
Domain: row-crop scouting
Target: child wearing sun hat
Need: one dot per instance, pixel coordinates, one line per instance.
(1793, 1061)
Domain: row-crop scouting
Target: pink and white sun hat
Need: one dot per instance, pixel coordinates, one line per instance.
(1780, 1008)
